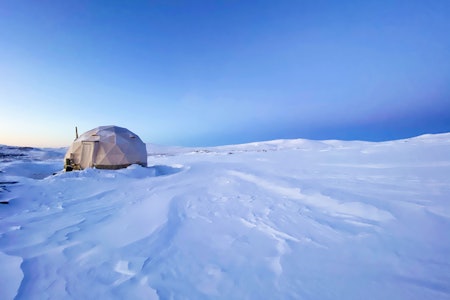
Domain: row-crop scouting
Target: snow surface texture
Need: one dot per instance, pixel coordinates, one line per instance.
(288, 219)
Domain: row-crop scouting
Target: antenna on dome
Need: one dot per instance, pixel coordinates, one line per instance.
(76, 132)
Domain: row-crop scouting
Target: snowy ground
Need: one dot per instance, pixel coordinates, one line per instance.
(288, 219)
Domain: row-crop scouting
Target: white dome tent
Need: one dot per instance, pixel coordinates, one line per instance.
(106, 147)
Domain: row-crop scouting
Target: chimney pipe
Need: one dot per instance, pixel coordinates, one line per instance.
(76, 132)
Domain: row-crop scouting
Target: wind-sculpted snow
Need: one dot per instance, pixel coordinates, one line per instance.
(288, 219)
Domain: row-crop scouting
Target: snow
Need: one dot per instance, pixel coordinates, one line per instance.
(285, 219)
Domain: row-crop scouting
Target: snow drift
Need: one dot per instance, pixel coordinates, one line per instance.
(287, 219)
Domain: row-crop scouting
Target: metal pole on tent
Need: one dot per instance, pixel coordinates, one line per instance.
(76, 132)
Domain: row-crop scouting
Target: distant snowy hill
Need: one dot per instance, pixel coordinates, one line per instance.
(286, 219)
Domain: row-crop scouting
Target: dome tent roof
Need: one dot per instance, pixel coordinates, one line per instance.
(106, 147)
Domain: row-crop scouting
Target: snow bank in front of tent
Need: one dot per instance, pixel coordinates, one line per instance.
(283, 219)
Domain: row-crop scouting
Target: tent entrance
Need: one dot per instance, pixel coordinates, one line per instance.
(88, 154)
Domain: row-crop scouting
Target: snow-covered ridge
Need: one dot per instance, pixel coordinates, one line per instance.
(285, 219)
(289, 144)
(10, 153)
(280, 144)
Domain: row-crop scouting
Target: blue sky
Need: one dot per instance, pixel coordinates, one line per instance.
(222, 72)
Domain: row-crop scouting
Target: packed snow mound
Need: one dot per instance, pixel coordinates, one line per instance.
(285, 219)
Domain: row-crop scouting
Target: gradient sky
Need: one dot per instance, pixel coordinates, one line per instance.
(200, 73)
